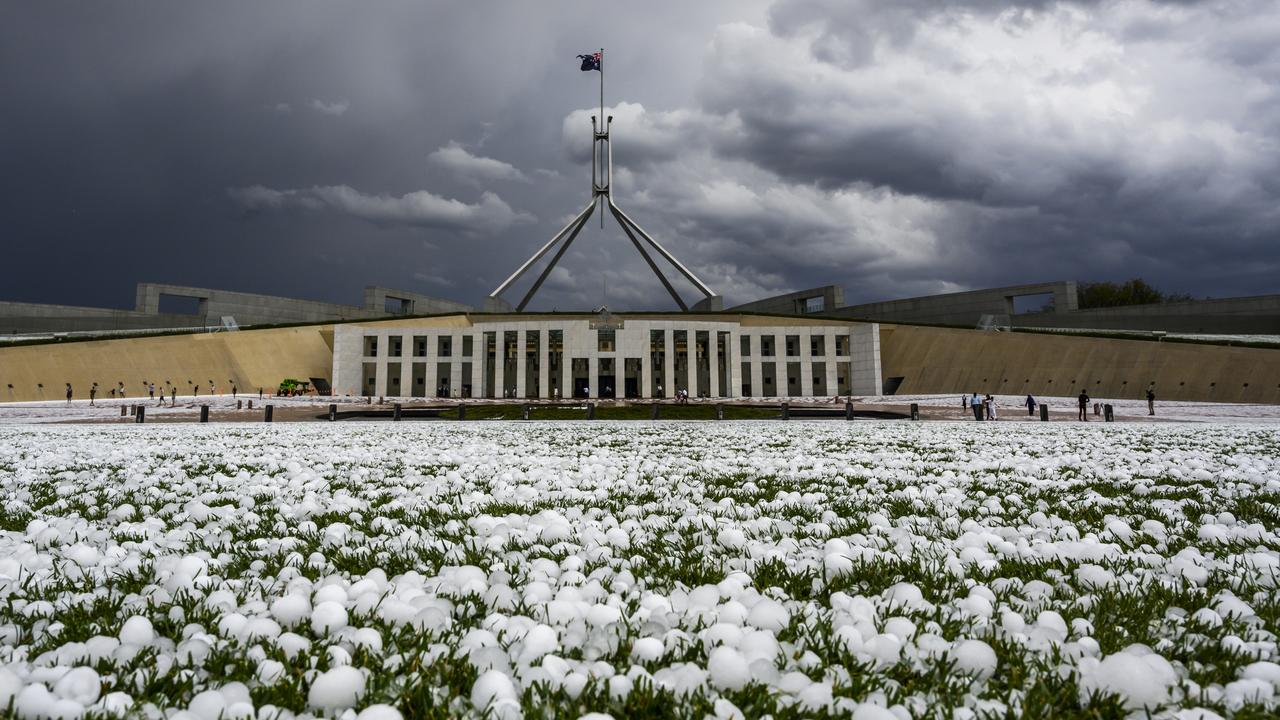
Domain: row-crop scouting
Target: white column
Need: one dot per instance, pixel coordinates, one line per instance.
(567, 361)
(713, 362)
(498, 365)
(733, 365)
(522, 362)
(806, 364)
(829, 357)
(406, 375)
(477, 364)
(544, 363)
(646, 364)
(380, 382)
(669, 362)
(691, 354)
(431, 358)
(757, 365)
(456, 367)
(593, 373)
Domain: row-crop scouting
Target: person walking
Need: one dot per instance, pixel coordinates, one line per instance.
(1031, 405)
(991, 408)
(233, 391)
(68, 393)
(1151, 399)
(93, 393)
(975, 404)
(173, 396)
(151, 390)
(1083, 402)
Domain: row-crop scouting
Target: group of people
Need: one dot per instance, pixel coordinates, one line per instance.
(983, 407)
(151, 392)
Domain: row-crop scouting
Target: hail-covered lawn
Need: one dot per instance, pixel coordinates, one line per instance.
(634, 569)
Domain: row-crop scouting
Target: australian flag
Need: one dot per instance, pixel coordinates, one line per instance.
(590, 62)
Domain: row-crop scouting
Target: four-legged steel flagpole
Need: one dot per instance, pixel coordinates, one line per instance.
(602, 196)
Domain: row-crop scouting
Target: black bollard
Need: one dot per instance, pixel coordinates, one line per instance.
(848, 409)
(381, 400)
(239, 404)
(653, 411)
(719, 411)
(204, 413)
(123, 411)
(591, 411)
(786, 411)
(142, 414)
(524, 411)
(250, 404)
(1108, 413)
(333, 412)
(268, 411)
(1044, 413)
(133, 410)
(915, 411)
(395, 414)
(462, 412)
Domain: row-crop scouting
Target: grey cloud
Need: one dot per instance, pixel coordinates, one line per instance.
(335, 108)
(421, 208)
(457, 159)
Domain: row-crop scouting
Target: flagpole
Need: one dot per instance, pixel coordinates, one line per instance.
(602, 123)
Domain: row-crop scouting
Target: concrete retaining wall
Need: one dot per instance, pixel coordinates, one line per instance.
(943, 360)
(250, 358)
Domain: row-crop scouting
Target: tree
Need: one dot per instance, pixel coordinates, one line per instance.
(1131, 292)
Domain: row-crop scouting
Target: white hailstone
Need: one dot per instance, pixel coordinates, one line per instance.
(539, 641)
(1248, 691)
(816, 696)
(769, 614)
(491, 687)
(1052, 623)
(328, 617)
(367, 638)
(10, 686)
(595, 716)
(116, 703)
(292, 644)
(884, 648)
(848, 637)
(380, 712)
(974, 657)
(728, 669)
(647, 649)
(731, 538)
(900, 627)
(291, 609)
(338, 688)
(208, 705)
(270, 671)
(620, 686)
(600, 615)
(1197, 714)
(1140, 680)
(239, 711)
(1093, 577)
(137, 630)
(903, 594)
(80, 684)
(1261, 670)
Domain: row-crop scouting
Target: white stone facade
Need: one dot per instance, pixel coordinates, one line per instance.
(558, 356)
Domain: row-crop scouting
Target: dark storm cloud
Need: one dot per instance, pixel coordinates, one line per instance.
(310, 148)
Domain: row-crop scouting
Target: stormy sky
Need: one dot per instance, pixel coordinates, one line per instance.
(895, 148)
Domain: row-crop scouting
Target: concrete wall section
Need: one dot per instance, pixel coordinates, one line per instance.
(375, 302)
(945, 360)
(249, 358)
(963, 308)
(796, 303)
(247, 308)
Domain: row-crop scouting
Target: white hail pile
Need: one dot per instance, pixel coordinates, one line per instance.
(632, 569)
